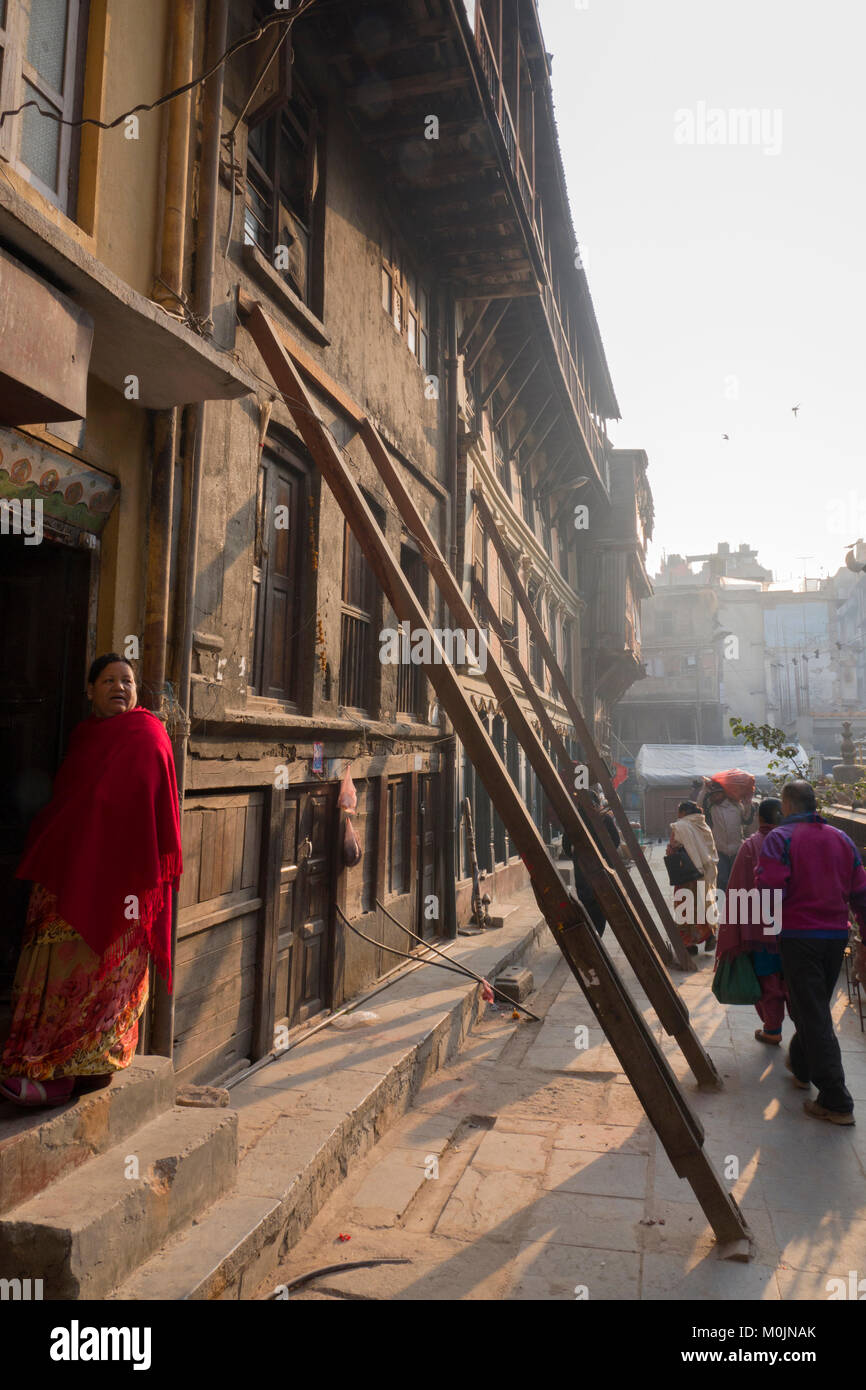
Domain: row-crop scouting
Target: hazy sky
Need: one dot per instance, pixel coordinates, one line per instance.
(728, 282)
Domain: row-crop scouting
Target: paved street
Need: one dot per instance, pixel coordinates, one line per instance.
(527, 1170)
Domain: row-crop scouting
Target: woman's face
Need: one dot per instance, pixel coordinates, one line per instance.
(113, 691)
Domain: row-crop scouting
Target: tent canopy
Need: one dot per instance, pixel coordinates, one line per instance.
(677, 764)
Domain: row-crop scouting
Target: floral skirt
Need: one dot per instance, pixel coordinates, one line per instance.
(66, 1021)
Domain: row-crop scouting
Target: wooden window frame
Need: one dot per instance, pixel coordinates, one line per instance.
(402, 287)
(358, 613)
(400, 824)
(267, 181)
(16, 70)
(278, 462)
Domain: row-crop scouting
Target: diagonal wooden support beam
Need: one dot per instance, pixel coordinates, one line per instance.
(614, 888)
(594, 760)
(513, 398)
(500, 376)
(527, 430)
(487, 333)
(642, 1061)
(472, 327)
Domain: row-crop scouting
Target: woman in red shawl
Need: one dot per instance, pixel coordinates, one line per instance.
(103, 856)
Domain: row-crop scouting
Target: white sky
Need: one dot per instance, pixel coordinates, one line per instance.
(711, 262)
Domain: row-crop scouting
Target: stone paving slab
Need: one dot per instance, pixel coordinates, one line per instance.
(305, 1119)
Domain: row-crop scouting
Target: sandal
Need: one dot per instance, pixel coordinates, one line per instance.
(34, 1094)
(774, 1039)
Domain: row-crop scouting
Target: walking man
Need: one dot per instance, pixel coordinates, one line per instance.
(820, 874)
(726, 819)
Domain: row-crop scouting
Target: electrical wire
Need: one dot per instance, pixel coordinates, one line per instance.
(336, 1269)
(243, 42)
(431, 947)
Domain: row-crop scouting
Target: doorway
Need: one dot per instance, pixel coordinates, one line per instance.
(44, 595)
(425, 856)
(306, 900)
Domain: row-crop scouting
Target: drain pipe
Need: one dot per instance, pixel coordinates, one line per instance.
(162, 1027)
(449, 858)
(167, 285)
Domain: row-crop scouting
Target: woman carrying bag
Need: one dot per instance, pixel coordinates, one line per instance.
(690, 833)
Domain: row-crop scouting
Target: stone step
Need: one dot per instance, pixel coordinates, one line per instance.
(500, 913)
(213, 1259)
(87, 1232)
(38, 1147)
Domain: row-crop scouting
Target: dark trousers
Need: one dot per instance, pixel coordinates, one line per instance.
(723, 873)
(811, 969)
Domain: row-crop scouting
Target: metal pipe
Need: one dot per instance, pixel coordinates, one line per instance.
(162, 1027)
(449, 758)
(169, 281)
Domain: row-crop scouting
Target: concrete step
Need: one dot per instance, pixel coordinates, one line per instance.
(212, 1259)
(38, 1147)
(88, 1231)
(500, 913)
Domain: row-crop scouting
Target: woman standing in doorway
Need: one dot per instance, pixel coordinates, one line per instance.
(103, 856)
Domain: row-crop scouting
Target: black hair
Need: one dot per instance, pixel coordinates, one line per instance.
(100, 664)
(801, 795)
(688, 808)
(770, 810)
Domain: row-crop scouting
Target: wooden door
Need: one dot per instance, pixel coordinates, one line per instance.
(425, 854)
(43, 639)
(306, 900)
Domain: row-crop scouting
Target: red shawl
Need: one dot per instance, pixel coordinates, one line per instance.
(111, 832)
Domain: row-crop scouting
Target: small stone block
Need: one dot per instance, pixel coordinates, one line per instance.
(499, 914)
(205, 1097)
(515, 983)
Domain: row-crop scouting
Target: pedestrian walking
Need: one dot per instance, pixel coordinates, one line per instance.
(691, 832)
(820, 874)
(582, 884)
(727, 819)
(745, 930)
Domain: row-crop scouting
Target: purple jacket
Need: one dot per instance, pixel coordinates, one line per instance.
(820, 872)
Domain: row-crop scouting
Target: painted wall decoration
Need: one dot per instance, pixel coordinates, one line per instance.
(71, 491)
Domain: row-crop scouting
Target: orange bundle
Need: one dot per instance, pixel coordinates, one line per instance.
(739, 786)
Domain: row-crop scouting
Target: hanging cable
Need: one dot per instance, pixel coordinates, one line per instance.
(252, 37)
(431, 947)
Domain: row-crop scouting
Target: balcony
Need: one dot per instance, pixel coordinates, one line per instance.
(506, 120)
(595, 440)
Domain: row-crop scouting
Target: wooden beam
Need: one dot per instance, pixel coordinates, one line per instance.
(472, 327)
(500, 376)
(527, 430)
(554, 420)
(618, 1016)
(486, 338)
(594, 760)
(512, 399)
(549, 471)
(624, 880)
(402, 88)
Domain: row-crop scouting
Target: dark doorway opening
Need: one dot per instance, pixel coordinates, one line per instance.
(44, 594)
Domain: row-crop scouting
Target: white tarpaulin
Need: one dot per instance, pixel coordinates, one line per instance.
(677, 764)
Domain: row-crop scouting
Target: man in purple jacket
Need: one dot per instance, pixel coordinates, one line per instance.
(820, 874)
